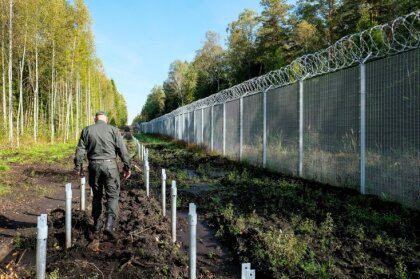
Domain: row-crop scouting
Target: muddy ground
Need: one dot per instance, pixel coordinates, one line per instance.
(285, 227)
(292, 228)
(143, 249)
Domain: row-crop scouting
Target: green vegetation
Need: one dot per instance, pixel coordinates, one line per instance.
(259, 43)
(48, 153)
(51, 80)
(4, 190)
(292, 228)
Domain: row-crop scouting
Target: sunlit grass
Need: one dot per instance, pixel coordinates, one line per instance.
(4, 190)
(46, 152)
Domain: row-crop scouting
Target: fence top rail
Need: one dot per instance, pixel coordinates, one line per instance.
(399, 35)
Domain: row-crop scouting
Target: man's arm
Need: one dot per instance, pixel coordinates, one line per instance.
(80, 152)
(122, 151)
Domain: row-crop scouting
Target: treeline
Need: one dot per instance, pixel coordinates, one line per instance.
(51, 81)
(259, 43)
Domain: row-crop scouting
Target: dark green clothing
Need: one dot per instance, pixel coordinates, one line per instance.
(102, 143)
(104, 174)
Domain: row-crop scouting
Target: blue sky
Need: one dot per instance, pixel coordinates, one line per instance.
(138, 39)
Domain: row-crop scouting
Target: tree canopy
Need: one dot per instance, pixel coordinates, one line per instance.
(259, 43)
(51, 81)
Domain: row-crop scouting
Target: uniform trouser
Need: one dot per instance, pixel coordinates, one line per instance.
(104, 176)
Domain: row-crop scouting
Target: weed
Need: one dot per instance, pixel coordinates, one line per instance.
(54, 274)
(401, 269)
(282, 249)
(17, 241)
(4, 168)
(4, 190)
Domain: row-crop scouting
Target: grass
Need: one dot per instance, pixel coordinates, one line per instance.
(4, 168)
(4, 190)
(288, 227)
(48, 153)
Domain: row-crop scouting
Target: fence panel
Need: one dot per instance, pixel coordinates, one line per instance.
(283, 129)
(207, 127)
(393, 128)
(218, 128)
(198, 138)
(331, 125)
(253, 129)
(185, 127)
(232, 129)
(191, 127)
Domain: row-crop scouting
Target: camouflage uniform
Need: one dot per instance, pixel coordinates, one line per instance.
(102, 143)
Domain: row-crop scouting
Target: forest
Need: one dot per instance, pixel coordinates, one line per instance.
(259, 43)
(51, 80)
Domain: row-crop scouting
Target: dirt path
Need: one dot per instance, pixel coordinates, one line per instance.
(38, 188)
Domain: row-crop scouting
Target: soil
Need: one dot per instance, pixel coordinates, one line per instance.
(36, 188)
(294, 228)
(143, 248)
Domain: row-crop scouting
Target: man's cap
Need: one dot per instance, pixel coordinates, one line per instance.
(100, 113)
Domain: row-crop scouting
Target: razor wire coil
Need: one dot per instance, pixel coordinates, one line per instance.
(400, 35)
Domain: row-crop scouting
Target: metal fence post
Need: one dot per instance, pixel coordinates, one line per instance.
(192, 220)
(300, 167)
(264, 157)
(41, 246)
(82, 193)
(224, 128)
(69, 196)
(163, 192)
(202, 126)
(362, 128)
(188, 127)
(212, 129)
(241, 126)
(173, 210)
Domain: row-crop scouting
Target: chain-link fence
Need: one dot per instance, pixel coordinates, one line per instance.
(347, 116)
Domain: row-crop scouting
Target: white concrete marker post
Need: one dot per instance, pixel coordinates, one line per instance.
(41, 246)
(245, 268)
(69, 196)
(163, 192)
(173, 211)
(82, 193)
(192, 220)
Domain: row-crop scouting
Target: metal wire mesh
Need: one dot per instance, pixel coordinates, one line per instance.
(185, 127)
(331, 111)
(397, 36)
(253, 129)
(218, 128)
(232, 129)
(393, 128)
(198, 139)
(207, 127)
(283, 129)
(191, 127)
(331, 125)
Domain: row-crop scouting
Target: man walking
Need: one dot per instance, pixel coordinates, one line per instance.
(102, 143)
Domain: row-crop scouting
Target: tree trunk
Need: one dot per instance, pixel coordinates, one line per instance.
(36, 91)
(4, 83)
(10, 71)
(52, 94)
(19, 121)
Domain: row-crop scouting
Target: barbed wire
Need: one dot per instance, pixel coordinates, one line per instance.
(400, 35)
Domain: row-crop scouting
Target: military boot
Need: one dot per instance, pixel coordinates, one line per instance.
(97, 225)
(109, 228)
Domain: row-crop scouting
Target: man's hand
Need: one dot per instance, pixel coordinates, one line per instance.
(79, 173)
(126, 174)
